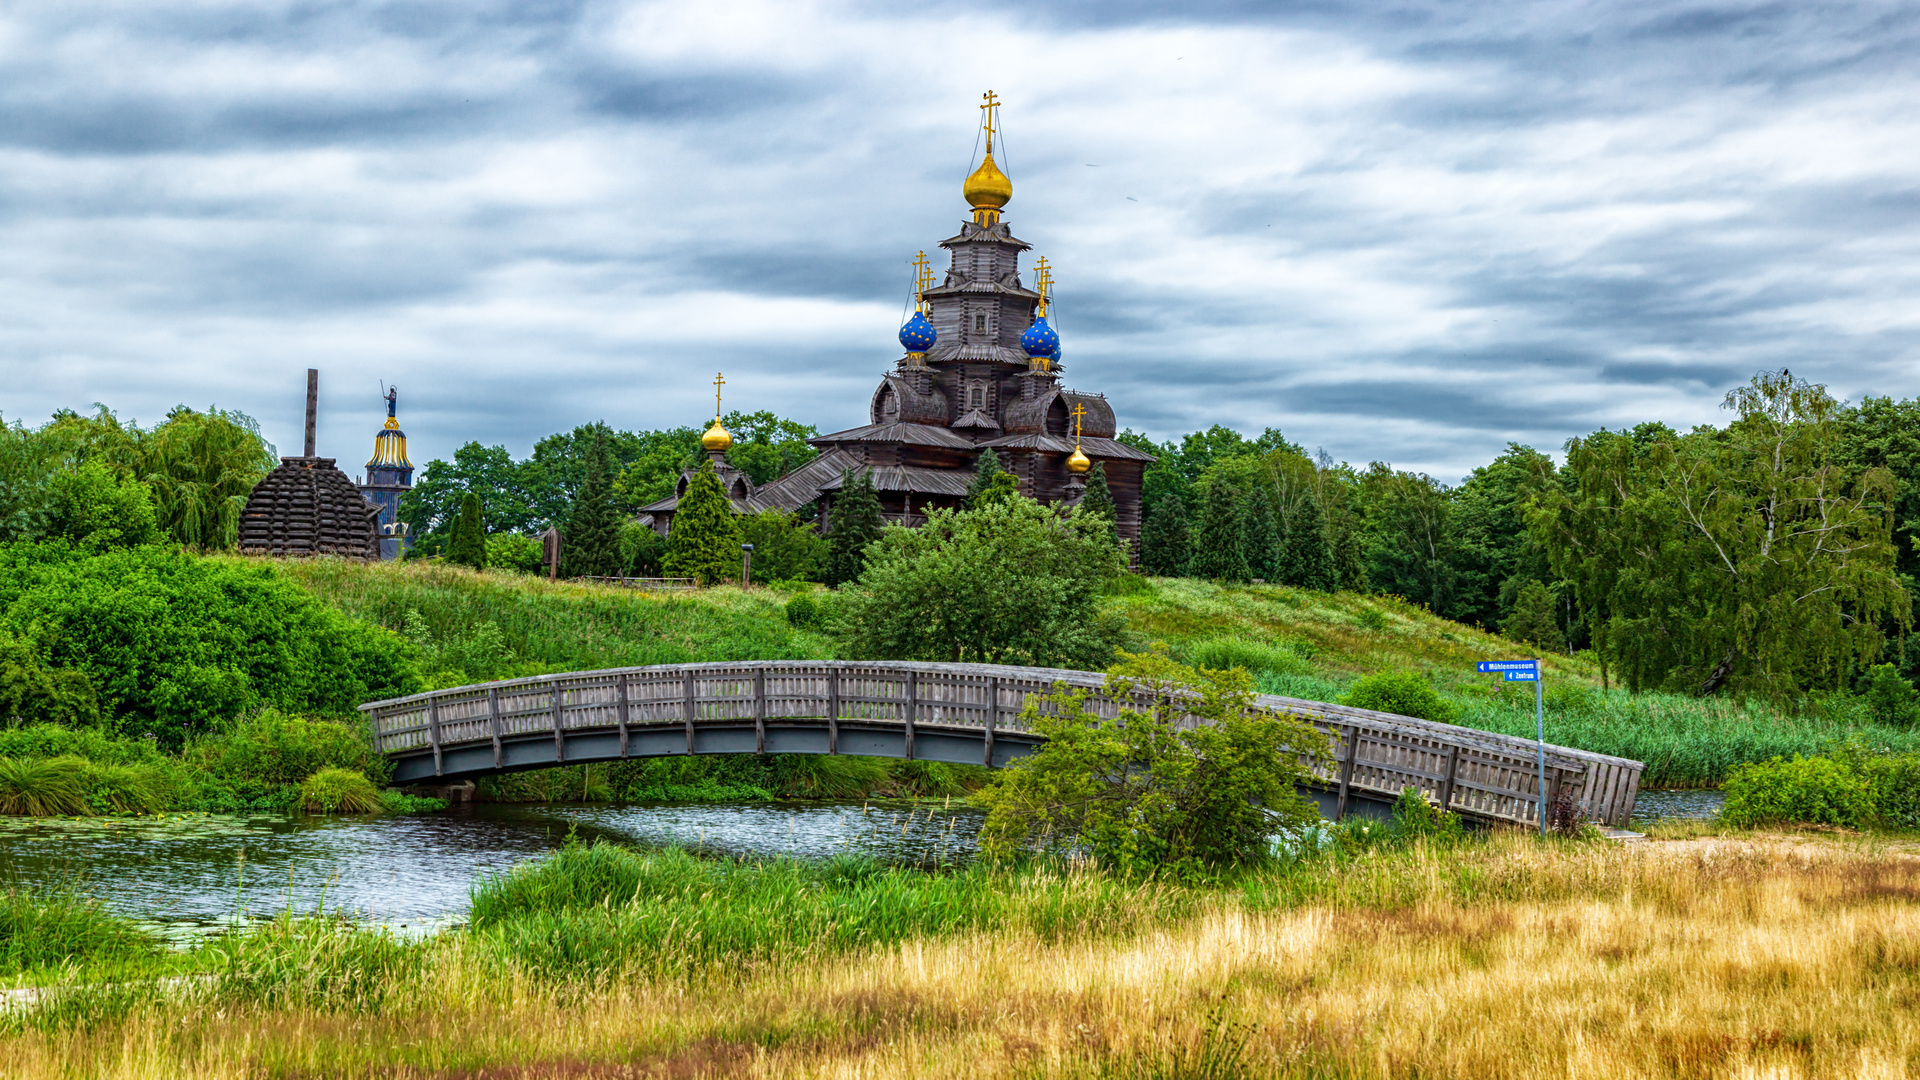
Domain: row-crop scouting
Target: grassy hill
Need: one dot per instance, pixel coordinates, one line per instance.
(1302, 644)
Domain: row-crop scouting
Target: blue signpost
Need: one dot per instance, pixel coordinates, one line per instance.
(1529, 671)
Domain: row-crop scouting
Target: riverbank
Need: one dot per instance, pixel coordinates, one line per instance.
(1512, 957)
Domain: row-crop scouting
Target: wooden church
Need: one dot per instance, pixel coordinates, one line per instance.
(980, 370)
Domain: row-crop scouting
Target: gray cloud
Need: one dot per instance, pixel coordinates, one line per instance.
(1407, 231)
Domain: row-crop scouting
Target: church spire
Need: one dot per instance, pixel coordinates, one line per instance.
(988, 189)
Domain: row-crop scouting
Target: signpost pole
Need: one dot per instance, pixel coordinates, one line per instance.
(1540, 741)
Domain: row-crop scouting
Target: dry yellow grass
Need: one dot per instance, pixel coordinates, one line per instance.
(1716, 957)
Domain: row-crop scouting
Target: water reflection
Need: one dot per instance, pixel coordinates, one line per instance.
(188, 873)
(1655, 805)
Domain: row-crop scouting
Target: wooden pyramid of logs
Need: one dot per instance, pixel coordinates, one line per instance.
(308, 507)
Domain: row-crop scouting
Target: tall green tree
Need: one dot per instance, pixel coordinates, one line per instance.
(592, 548)
(704, 541)
(1492, 545)
(1218, 554)
(1747, 558)
(1532, 620)
(1163, 539)
(1262, 533)
(1099, 500)
(784, 546)
(1410, 536)
(1008, 583)
(468, 544)
(854, 524)
(1307, 562)
(984, 470)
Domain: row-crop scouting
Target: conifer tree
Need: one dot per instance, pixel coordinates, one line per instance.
(1532, 621)
(467, 546)
(1163, 541)
(1218, 551)
(984, 471)
(1261, 532)
(704, 540)
(593, 528)
(1099, 500)
(1306, 561)
(855, 522)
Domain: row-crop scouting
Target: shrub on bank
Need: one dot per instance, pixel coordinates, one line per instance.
(1805, 790)
(339, 791)
(1401, 692)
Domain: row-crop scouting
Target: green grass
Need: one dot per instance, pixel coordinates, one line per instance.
(62, 928)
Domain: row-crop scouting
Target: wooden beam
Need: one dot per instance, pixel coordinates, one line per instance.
(559, 737)
(760, 711)
(433, 731)
(493, 725)
(993, 717)
(913, 689)
(620, 708)
(833, 710)
(1453, 770)
(687, 707)
(1346, 773)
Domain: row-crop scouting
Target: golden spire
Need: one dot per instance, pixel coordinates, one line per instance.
(988, 189)
(1042, 284)
(390, 446)
(1079, 462)
(717, 439)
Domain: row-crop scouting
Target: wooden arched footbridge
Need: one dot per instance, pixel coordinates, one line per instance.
(960, 713)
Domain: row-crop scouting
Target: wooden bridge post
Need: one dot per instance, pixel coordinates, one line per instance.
(687, 707)
(620, 709)
(833, 710)
(760, 711)
(1453, 769)
(559, 739)
(913, 691)
(993, 717)
(493, 724)
(1346, 773)
(433, 730)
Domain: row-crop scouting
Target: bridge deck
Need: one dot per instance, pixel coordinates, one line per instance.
(943, 712)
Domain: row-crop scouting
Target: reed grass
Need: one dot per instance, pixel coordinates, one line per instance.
(63, 927)
(1750, 956)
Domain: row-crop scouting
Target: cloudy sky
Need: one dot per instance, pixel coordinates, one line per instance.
(1409, 232)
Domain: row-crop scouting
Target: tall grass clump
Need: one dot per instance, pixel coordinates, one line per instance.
(599, 909)
(43, 787)
(339, 791)
(313, 962)
(52, 928)
(1224, 653)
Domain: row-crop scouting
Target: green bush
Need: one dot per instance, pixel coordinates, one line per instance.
(30, 692)
(1421, 820)
(272, 748)
(1401, 692)
(52, 740)
(803, 613)
(45, 787)
(1895, 782)
(1805, 790)
(515, 551)
(1890, 698)
(339, 791)
(177, 645)
(824, 776)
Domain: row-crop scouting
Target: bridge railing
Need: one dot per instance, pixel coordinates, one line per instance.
(1479, 773)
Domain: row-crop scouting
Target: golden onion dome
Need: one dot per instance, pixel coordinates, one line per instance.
(988, 188)
(1079, 462)
(716, 438)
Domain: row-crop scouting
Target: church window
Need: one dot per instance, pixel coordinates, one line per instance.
(979, 323)
(979, 397)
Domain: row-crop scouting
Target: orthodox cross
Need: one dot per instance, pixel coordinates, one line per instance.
(1079, 411)
(992, 102)
(1042, 282)
(922, 280)
(719, 381)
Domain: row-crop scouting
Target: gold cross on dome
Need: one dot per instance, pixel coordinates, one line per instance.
(1079, 411)
(922, 279)
(991, 102)
(1042, 282)
(719, 381)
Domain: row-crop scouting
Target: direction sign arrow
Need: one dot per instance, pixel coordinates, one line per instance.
(1522, 676)
(1507, 665)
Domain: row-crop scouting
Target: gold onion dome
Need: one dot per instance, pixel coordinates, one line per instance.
(1079, 462)
(717, 438)
(988, 188)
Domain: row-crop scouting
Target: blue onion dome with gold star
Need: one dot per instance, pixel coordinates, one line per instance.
(1040, 340)
(918, 335)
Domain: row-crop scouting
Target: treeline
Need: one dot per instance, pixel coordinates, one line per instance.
(1775, 555)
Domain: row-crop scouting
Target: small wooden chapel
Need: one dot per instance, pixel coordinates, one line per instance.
(980, 370)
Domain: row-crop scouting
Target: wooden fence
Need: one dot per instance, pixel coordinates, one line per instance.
(1478, 773)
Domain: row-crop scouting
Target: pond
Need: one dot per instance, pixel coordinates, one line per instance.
(191, 873)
